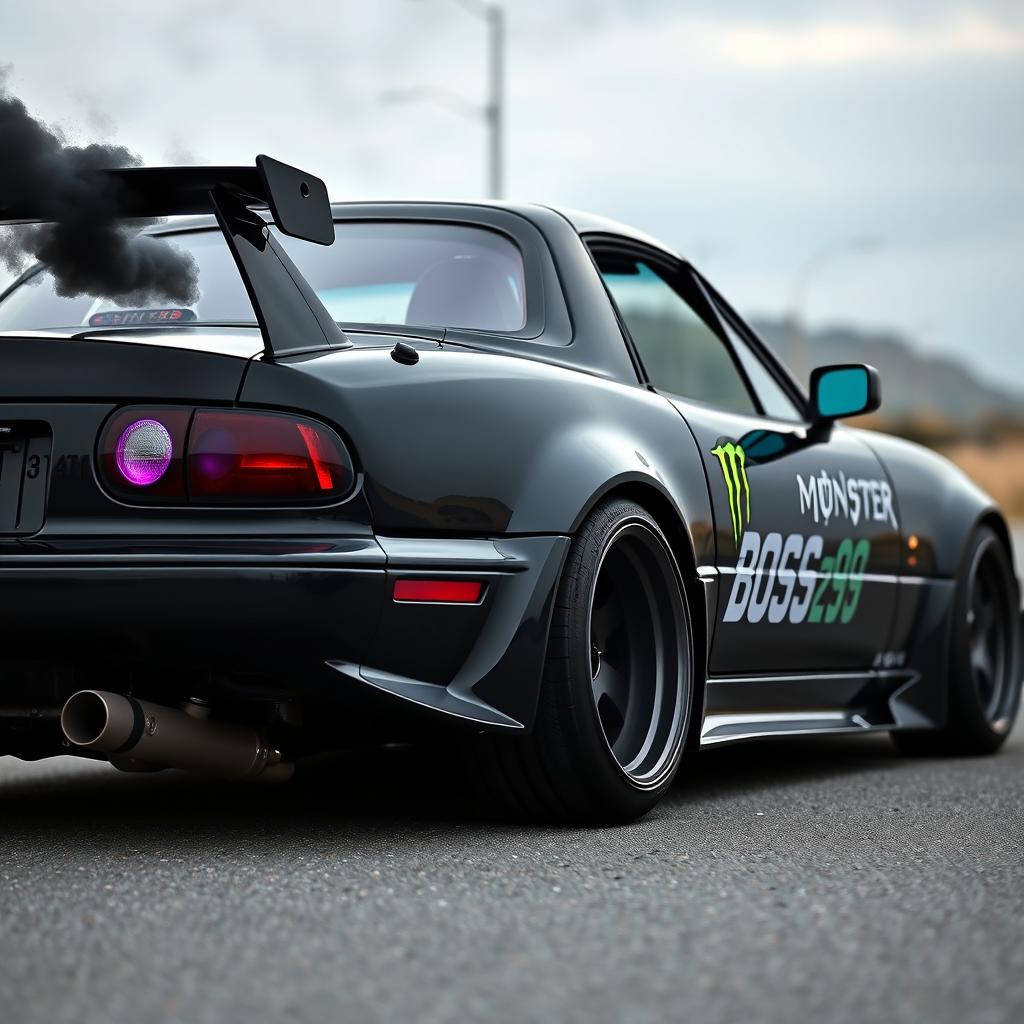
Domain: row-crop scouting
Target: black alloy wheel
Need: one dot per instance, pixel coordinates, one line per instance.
(992, 619)
(985, 657)
(618, 682)
(639, 676)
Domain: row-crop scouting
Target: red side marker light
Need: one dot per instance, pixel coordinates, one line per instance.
(438, 591)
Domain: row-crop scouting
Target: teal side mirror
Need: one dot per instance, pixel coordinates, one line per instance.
(839, 391)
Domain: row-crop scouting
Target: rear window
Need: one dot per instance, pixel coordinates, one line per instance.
(417, 273)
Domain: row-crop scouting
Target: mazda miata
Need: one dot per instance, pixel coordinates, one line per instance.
(512, 477)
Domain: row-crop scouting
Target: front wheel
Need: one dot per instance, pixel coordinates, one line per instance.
(985, 656)
(618, 680)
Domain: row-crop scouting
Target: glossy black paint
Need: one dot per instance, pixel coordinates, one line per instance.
(478, 460)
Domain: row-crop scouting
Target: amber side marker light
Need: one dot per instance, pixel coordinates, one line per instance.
(438, 591)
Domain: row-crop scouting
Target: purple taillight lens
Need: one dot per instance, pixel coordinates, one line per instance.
(213, 455)
(143, 452)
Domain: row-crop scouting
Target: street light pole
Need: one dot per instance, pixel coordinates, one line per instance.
(493, 15)
(496, 100)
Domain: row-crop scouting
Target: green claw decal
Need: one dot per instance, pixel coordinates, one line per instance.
(733, 460)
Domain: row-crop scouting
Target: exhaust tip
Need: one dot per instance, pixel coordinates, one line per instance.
(164, 737)
(85, 718)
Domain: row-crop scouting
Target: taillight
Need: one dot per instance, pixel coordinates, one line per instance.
(214, 457)
(243, 456)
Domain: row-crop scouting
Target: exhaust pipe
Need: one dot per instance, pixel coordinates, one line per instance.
(126, 728)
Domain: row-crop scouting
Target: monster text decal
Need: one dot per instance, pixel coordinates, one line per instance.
(854, 499)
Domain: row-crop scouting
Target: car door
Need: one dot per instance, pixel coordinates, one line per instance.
(807, 536)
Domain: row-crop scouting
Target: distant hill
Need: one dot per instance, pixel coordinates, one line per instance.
(914, 385)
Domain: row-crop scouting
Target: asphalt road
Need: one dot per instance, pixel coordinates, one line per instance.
(801, 880)
(797, 881)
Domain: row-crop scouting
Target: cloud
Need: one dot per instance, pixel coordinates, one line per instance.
(844, 42)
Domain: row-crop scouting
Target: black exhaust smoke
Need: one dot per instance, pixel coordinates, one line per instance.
(87, 248)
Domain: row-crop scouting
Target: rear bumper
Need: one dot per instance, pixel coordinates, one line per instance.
(223, 608)
(311, 619)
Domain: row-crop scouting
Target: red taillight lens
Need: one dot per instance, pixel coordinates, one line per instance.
(237, 456)
(438, 591)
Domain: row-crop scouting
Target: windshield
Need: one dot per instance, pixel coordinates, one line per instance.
(418, 273)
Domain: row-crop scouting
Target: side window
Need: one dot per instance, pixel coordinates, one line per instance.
(681, 353)
(775, 402)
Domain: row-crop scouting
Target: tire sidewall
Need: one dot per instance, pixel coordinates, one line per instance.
(607, 777)
(967, 715)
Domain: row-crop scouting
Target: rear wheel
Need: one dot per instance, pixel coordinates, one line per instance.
(618, 680)
(985, 663)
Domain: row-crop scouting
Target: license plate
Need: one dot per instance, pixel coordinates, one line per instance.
(24, 471)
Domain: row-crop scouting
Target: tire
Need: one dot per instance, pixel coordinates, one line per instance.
(985, 657)
(616, 692)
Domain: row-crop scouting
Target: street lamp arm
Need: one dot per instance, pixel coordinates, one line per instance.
(439, 95)
(819, 259)
(476, 7)
(813, 265)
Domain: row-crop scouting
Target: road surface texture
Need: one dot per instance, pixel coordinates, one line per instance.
(798, 881)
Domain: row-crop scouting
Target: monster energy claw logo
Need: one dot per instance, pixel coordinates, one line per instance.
(734, 468)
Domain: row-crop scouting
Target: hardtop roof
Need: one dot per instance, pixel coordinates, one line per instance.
(585, 223)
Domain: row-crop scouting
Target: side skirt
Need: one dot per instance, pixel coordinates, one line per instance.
(750, 707)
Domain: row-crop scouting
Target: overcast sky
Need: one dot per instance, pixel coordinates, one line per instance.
(748, 134)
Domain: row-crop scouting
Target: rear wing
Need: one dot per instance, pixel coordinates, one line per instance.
(290, 314)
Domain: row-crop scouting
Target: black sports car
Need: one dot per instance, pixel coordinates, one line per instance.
(511, 472)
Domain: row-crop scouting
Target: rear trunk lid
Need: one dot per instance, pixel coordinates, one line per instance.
(176, 363)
